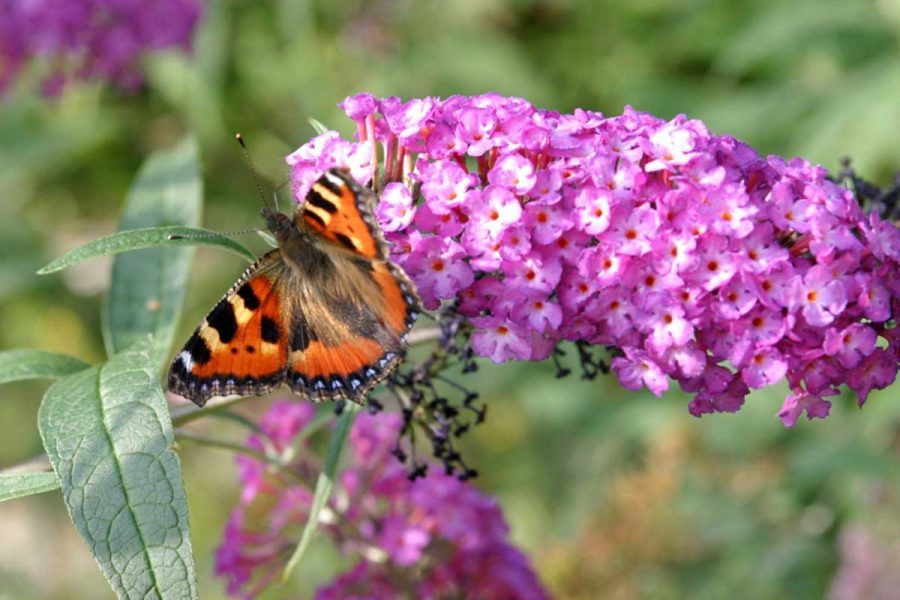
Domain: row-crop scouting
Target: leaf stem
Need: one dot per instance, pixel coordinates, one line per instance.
(183, 434)
(418, 337)
(324, 485)
(188, 412)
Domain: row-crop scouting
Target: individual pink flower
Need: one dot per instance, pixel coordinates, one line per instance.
(765, 367)
(819, 296)
(439, 268)
(408, 120)
(594, 209)
(850, 345)
(514, 172)
(675, 143)
(395, 209)
(497, 339)
(796, 403)
(876, 372)
(359, 107)
(491, 211)
(638, 369)
(444, 184)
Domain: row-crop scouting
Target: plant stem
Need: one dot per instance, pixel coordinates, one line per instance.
(183, 434)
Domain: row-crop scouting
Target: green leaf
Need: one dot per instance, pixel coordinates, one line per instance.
(151, 237)
(17, 365)
(147, 288)
(16, 485)
(324, 484)
(318, 126)
(108, 436)
(268, 238)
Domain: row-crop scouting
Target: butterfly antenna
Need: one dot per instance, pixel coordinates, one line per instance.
(256, 181)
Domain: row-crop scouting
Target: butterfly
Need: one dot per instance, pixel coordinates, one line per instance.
(326, 313)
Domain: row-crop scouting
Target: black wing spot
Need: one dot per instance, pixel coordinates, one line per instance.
(329, 185)
(251, 301)
(222, 320)
(234, 350)
(345, 241)
(317, 200)
(269, 330)
(177, 371)
(250, 349)
(197, 348)
(311, 215)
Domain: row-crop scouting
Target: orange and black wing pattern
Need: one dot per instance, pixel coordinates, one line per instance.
(343, 355)
(330, 336)
(340, 210)
(343, 345)
(241, 348)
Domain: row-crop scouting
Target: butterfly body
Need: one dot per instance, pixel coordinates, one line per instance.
(326, 313)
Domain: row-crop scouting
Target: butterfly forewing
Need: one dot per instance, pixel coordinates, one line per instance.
(340, 210)
(342, 352)
(241, 346)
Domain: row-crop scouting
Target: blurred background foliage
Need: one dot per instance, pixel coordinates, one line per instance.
(613, 494)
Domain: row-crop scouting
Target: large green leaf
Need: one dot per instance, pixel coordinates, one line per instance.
(16, 485)
(17, 365)
(108, 435)
(147, 290)
(150, 237)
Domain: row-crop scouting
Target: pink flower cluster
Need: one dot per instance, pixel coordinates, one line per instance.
(699, 260)
(436, 537)
(90, 39)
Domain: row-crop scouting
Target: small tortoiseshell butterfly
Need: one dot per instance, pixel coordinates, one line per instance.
(326, 313)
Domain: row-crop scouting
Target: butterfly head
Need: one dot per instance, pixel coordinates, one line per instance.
(281, 225)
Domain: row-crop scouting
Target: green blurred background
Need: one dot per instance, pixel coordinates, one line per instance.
(613, 494)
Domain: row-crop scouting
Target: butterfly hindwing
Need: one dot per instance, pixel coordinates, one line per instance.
(241, 346)
(340, 349)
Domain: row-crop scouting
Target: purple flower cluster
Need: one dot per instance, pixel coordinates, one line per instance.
(90, 39)
(435, 537)
(693, 256)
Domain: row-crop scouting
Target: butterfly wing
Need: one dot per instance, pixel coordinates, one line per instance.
(340, 210)
(333, 336)
(341, 347)
(241, 348)
(348, 336)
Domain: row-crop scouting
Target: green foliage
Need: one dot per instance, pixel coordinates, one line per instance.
(108, 435)
(137, 239)
(148, 287)
(18, 365)
(107, 429)
(17, 485)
